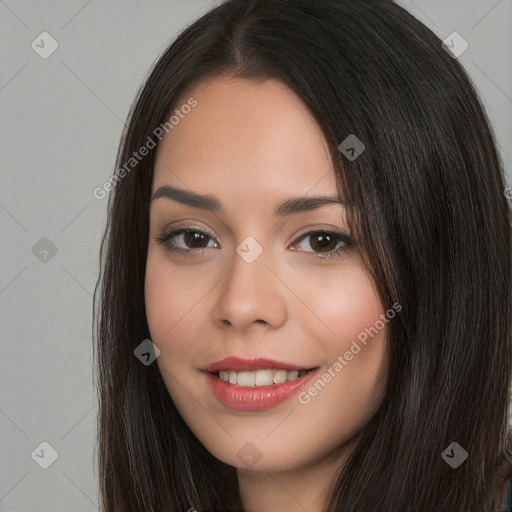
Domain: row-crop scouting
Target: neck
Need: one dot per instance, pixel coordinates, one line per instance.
(305, 489)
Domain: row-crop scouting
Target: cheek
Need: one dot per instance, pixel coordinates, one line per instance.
(170, 294)
(350, 331)
(158, 292)
(342, 303)
(352, 340)
(175, 298)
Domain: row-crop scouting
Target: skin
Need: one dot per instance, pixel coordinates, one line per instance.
(253, 145)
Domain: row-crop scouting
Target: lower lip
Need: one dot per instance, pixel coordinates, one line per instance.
(256, 398)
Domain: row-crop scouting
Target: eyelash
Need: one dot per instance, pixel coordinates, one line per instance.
(166, 239)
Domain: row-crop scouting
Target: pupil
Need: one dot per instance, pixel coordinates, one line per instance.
(193, 236)
(324, 240)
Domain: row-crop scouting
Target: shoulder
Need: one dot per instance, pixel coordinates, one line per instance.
(504, 497)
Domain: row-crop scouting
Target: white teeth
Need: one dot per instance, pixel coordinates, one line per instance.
(280, 376)
(259, 377)
(292, 375)
(263, 377)
(246, 379)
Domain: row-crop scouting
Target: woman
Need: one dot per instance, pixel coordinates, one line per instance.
(340, 338)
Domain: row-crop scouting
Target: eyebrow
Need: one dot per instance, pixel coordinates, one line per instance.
(212, 204)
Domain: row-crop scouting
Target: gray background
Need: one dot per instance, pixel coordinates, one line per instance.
(61, 123)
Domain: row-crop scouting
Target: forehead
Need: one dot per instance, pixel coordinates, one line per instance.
(245, 135)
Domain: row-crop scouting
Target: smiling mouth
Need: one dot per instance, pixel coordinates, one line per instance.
(255, 390)
(261, 377)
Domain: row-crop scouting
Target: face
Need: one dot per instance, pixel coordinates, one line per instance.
(242, 278)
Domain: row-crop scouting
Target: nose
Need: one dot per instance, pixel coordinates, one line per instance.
(250, 293)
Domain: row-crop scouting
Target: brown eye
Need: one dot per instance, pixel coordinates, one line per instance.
(191, 238)
(323, 241)
(326, 244)
(184, 241)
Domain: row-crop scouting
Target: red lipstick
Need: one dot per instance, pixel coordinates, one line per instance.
(254, 398)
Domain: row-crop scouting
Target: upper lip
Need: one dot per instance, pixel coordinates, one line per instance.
(257, 363)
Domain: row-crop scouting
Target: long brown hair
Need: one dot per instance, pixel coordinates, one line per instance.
(426, 201)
